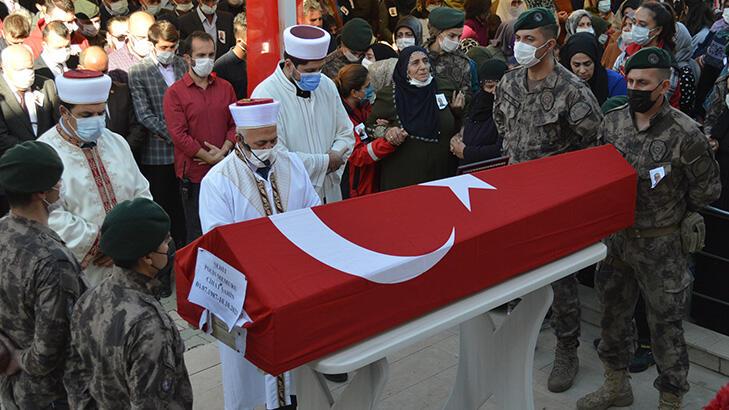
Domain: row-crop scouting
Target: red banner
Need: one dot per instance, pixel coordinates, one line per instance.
(320, 280)
(264, 43)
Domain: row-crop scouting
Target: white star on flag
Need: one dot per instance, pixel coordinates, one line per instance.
(460, 185)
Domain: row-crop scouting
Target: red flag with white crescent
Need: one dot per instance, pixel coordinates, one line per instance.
(324, 278)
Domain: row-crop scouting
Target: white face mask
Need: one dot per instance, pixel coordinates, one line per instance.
(726, 100)
(56, 205)
(421, 84)
(23, 79)
(164, 57)
(260, 158)
(350, 57)
(203, 67)
(641, 35)
(514, 11)
(404, 42)
(449, 45)
(585, 30)
(626, 38)
(367, 63)
(603, 6)
(526, 54)
(57, 55)
(119, 8)
(153, 9)
(141, 47)
(725, 15)
(207, 9)
(184, 6)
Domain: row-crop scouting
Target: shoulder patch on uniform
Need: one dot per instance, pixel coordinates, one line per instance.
(694, 151)
(579, 111)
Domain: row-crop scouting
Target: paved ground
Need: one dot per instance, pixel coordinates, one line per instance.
(421, 376)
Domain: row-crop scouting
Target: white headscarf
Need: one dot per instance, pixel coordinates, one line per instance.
(503, 10)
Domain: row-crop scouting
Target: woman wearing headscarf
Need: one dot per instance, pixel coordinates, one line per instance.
(505, 42)
(411, 107)
(579, 21)
(509, 10)
(408, 32)
(581, 55)
(621, 32)
(479, 140)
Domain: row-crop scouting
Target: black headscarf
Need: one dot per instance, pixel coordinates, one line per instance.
(586, 43)
(416, 107)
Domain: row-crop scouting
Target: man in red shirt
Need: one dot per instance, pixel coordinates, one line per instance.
(57, 10)
(199, 123)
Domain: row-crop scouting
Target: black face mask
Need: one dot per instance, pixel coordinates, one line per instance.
(640, 100)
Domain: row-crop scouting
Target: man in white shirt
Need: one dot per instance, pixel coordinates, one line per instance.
(52, 61)
(313, 122)
(99, 168)
(257, 179)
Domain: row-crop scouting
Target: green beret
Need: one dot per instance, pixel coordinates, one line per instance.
(492, 69)
(85, 9)
(649, 57)
(133, 229)
(30, 167)
(357, 34)
(444, 18)
(534, 18)
(613, 103)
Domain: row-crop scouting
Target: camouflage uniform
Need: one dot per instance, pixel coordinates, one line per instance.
(560, 115)
(40, 282)
(131, 353)
(452, 73)
(716, 104)
(333, 63)
(649, 257)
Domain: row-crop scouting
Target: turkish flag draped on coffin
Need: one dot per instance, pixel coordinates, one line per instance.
(305, 305)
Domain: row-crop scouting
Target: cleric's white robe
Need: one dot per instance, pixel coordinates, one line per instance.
(229, 194)
(94, 180)
(311, 127)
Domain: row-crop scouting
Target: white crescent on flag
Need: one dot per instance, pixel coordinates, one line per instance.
(310, 234)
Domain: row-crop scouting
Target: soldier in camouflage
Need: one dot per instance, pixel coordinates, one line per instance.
(542, 109)
(131, 353)
(677, 174)
(356, 39)
(40, 281)
(452, 69)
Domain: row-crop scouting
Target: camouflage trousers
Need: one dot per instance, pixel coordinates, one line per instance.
(566, 311)
(658, 269)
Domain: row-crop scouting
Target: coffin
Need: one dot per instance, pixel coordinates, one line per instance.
(322, 279)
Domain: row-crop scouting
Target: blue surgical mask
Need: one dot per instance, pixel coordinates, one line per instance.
(89, 129)
(370, 93)
(309, 81)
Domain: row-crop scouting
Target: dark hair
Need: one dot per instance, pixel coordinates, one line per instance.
(350, 77)
(475, 8)
(698, 17)
(163, 30)
(17, 26)
(663, 16)
(65, 5)
(18, 199)
(57, 28)
(550, 31)
(199, 35)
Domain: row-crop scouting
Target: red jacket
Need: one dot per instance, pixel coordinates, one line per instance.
(363, 170)
(35, 40)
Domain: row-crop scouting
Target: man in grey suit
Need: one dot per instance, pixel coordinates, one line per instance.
(28, 104)
(148, 81)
